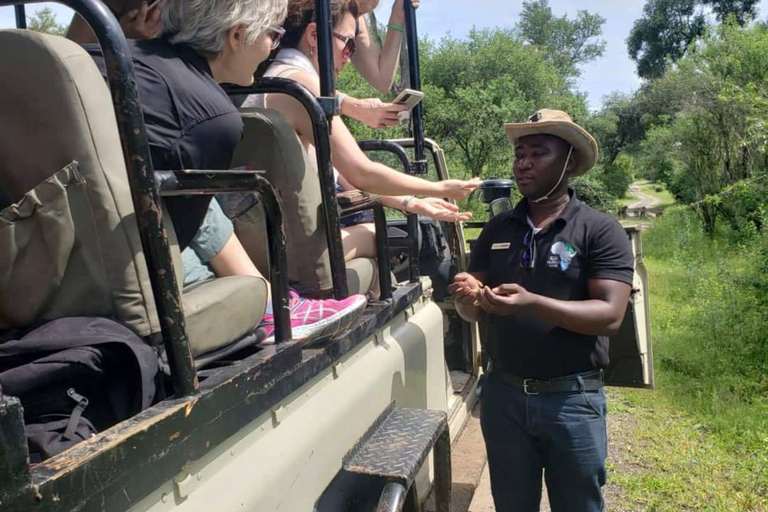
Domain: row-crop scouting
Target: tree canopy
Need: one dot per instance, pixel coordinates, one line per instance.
(568, 43)
(668, 27)
(45, 21)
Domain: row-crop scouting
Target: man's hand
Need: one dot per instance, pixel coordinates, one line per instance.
(506, 299)
(372, 111)
(144, 22)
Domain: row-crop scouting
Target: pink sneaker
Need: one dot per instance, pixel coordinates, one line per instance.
(313, 318)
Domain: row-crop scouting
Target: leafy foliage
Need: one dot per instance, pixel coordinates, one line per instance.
(476, 85)
(669, 27)
(567, 43)
(45, 21)
(663, 34)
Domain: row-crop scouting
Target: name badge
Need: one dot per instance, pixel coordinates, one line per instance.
(500, 245)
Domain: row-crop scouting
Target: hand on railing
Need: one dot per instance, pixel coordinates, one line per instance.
(438, 209)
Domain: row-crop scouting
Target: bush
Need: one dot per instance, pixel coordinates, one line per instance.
(709, 295)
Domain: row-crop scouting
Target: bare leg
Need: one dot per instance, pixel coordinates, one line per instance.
(359, 241)
(232, 260)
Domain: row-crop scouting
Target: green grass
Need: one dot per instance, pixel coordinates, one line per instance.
(700, 440)
(628, 199)
(652, 189)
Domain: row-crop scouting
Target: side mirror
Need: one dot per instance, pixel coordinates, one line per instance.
(500, 205)
(493, 189)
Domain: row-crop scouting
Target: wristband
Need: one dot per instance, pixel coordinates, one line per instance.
(404, 206)
(339, 100)
(398, 28)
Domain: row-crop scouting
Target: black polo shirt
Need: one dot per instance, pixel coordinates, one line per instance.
(581, 244)
(191, 122)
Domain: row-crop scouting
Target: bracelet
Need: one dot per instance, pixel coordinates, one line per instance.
(406, 200)
(398, 28)
(339, 100)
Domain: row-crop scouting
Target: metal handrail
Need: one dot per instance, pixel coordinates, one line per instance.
(412, 220)
(321, 133)
(414, 74)
(200, 182)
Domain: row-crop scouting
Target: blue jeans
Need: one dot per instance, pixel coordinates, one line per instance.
(562, 434)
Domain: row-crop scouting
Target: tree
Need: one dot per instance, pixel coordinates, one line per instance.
(567, 43)
(668, 27)
(741, 10)
(663, 34)
(45, 21)
(475, 85)
(712, 151)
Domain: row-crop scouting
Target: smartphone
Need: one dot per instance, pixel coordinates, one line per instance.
(409, 98)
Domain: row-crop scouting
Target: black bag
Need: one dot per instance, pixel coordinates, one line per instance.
(76, 377)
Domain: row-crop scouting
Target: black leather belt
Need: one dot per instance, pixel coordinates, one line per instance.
(587, 381)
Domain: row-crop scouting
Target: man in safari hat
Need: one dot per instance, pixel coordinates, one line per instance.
(552, 279)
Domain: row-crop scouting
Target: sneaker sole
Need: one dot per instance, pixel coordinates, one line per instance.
(330, 325)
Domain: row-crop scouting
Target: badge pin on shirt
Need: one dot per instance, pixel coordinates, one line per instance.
(565, 252)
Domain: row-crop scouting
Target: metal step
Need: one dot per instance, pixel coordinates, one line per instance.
(395, 448)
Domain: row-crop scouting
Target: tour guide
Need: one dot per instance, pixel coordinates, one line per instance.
(552, 277)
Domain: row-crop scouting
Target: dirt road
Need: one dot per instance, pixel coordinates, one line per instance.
(643, 199)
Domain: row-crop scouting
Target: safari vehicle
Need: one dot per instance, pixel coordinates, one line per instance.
(358, 421)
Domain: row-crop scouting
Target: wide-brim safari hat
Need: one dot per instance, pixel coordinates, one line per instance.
(559, 124)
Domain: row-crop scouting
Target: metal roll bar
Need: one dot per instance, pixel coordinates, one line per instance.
(21, 16)
(321, 133)
(198, 182)
(417, 114)
(412, 220)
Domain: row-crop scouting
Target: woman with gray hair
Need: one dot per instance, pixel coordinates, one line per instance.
(192, 124)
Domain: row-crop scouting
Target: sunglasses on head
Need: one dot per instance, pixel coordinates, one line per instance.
(276, 34)
(350, 45)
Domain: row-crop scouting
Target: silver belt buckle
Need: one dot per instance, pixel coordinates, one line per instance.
(525, 387)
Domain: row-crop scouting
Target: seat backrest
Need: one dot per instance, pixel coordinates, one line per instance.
(270, 143)
(69, 243)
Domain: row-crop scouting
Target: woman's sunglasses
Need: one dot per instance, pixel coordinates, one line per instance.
(276, 34)
(350, 46)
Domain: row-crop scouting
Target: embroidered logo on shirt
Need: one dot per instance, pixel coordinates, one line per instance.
(500, 245)
(560, 255)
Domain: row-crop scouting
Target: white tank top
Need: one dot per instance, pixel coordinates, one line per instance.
(288, 62)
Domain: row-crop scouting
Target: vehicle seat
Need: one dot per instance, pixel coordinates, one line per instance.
(269, 143)
(69, 241)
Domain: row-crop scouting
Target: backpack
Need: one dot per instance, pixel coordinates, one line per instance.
(76, 377)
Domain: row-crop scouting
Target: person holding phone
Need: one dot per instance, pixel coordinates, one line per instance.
(297, 60)
(377, 66)
(139, 20)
